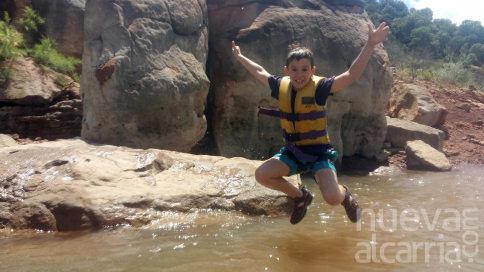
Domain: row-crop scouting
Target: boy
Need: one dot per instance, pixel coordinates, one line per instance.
(302, 103)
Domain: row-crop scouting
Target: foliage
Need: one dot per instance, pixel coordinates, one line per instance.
(76, 77)
(455, 73)
(46, 54)
(62, 81)
(10, 41)
(31, 22)
(478, 50)
(417, 29)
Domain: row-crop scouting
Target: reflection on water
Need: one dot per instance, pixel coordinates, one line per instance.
(412, 231)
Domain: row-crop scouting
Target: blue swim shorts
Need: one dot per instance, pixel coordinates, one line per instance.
(298, 166)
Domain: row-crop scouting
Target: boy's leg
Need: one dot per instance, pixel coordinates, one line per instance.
(270, 174)
(335, 194)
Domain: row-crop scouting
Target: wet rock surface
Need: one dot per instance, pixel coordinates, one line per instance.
(70, 185)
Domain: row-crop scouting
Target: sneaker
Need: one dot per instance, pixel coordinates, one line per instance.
(301, 206)
(353, 209)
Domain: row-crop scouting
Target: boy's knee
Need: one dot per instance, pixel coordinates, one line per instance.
(332, 199)
(260, 175)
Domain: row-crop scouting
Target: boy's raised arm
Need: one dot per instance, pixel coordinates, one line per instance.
(254, 68)
(375, 37)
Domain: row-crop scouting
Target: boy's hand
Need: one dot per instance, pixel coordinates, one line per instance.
(379, 35)
(235, 50)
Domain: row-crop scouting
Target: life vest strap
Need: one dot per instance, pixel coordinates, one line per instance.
(298, 153)
(311, 135)
(313, 115)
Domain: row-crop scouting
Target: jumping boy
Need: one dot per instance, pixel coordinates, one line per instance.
(302, 103)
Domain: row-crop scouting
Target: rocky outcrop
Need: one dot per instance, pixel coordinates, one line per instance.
(424, 157)
(143, 81)
(41, 106)
(264, 30)
(41, 88)
(399, 132)
(64, 23)
(70, 185)
(415, 103)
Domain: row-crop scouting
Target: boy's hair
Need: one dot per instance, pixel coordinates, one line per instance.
(297, 52)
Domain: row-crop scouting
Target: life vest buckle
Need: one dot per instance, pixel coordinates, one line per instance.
(292, 117)
(291, 137)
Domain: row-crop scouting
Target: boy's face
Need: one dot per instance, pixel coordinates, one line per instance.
(300, 72)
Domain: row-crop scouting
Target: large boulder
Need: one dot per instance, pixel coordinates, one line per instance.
(70, 185)
(424, 157)
(64, 23)
(143, 80)
(264, 30)
(415, 103)
(399, 132)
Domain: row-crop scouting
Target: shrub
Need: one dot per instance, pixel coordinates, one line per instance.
(31, 22)
(10, 41)
(455, 73)
(61, 80)
(76, 77)
(45, 53)
(427, 76)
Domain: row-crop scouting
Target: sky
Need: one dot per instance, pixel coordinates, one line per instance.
(455, 10)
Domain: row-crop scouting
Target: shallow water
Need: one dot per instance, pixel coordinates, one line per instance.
(324, 240)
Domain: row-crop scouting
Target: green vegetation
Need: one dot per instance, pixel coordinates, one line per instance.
(430, 49)
(13, 46)
(11, 41)
(46, 54)
(31, 22)
(62, 81)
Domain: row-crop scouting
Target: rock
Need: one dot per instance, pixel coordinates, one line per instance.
(479, 105)
(399, 132)
(415, 103)
(475, 141)
(479, 122)
(479, 96)
(64, 23)
(422, 156)
(444, 129)
(387, 145)
(450, 153)
(264, 30)
(40, 89)
(143, 81)
(58, 121)
(383, 155)
(6, 141)
(464, 106)
(395, 150)
(70, 185)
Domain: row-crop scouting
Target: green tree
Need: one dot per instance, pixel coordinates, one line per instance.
(469, 28)
(403, 27)
(478, 50)
(420, 37)
(445, 26)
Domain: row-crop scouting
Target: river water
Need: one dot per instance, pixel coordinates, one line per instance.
(423, 221)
